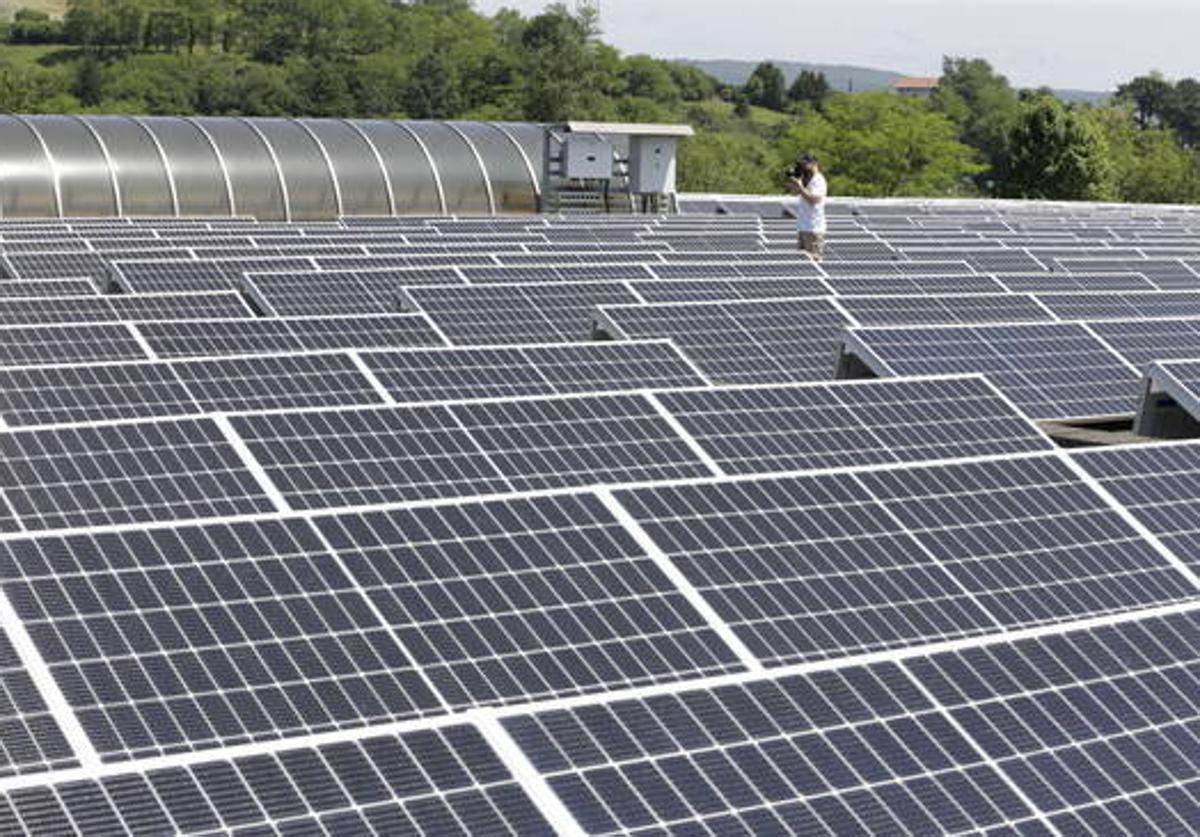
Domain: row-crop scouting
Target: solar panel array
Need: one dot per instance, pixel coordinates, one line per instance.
(532, 524)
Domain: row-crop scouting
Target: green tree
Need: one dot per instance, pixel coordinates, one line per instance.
(1182, 112)
(766, 87)
(985, 108)
(1060, 154)
(728, 163)
(809, 88)
(89, 82)
(559, 65)
(431, 92)
(1150, 165)
(1150, 96)
(879, 144)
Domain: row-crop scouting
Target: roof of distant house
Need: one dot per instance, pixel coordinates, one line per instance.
(916, 83)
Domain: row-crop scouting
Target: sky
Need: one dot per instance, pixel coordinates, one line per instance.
(1081, 44)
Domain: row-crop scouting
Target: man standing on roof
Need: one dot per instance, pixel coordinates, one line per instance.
(807, 182)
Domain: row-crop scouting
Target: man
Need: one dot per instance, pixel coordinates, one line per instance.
(809, 185)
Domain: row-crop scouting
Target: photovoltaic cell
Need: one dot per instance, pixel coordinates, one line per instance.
(1097, 728)
(51, 265)
(858, 751)
(1160, 485)
(523, 313)
(712, 290)
(339, 292)
(33, 288)
(1142, 342)
(179, 306)
(30, 738)
(124, 473)
(1028, 539)
(200, 338)
(505, 601)
(381, 331)
(1028, 282)
(804, 568)
(1050, 371)
(61, 394)
(563, 442)
(356, 457)
(878, 285)
(171, 276)
(165, 640)
(1123, 306)
(437, 781)
(56, 344)
(274, 382)
(936, 310)
(775, 429)
(776, 341)
(422, 375)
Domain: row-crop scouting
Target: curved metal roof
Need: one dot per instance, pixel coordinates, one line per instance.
(269, 168)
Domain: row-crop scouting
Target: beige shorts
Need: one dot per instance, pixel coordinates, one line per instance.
(813, 244)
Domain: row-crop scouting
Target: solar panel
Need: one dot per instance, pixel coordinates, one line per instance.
(433, 781)
(357, 457)
(382, 331)
(1141, 342)
(805, 568)
(565, 442)
(1021, 283)
(424, 375)
(1123, 306)
(776, 341)
(914, 284)
(860, 751)
(199, 338)
(173, 639)
(775, 429)
(300, 294)
(82, 393)
(1096, 727)
(272, 382)
(1165, 274)
(31, 740)
(714, 290)
(51, 265)
(521, 313)
(31, 288)
(122, 473)
(1160, 485)
(921, 268)
(537, 597)
(79, 309)
(170, 276)
(1050, 371)
(179, 306)
(936, 310)
(56, 344)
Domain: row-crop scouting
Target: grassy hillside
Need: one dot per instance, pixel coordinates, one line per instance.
(841, 76)
(54, 7)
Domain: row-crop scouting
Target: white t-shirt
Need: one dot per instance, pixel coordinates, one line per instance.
(811, 217)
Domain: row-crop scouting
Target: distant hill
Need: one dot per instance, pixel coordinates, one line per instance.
(840, 76)
(844, 76)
